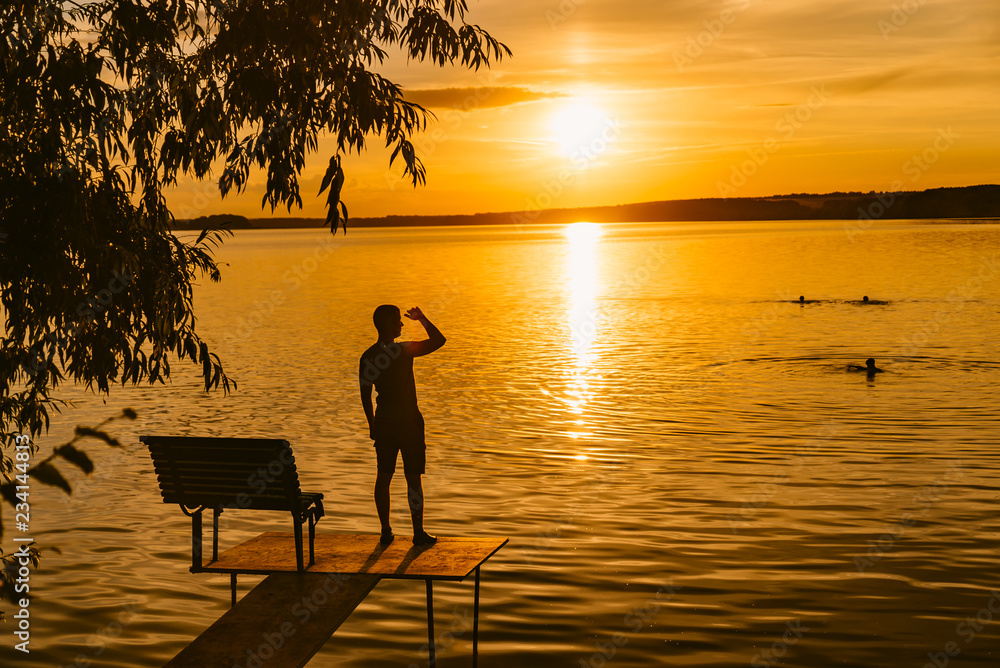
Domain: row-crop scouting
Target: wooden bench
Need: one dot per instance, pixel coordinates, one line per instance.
(232, 473)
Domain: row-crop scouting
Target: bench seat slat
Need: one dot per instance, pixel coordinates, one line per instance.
(229, 492)
(235, 456)
(212, 441)
(215, 498)
(227, 501)
(236, 477)
(219, 458)
(245, 474)
(194, 488)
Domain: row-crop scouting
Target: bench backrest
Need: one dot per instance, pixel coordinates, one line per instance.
(255, 473)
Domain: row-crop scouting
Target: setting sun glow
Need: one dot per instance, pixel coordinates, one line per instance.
(580, 128)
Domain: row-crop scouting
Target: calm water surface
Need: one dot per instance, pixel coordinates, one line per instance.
(687, 474)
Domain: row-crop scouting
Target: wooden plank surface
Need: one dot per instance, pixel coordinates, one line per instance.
(282, 622)
(447, 559)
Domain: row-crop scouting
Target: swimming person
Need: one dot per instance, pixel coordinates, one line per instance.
(869, 367)
(396, 426)
(865, 301)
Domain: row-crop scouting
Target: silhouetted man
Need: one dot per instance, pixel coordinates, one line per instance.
(396, 425)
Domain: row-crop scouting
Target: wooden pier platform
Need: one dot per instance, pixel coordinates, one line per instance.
(274, 625)
(264, 624)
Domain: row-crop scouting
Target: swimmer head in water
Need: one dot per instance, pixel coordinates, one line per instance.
(869, 367)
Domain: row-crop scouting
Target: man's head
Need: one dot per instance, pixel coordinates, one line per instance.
(387, 321)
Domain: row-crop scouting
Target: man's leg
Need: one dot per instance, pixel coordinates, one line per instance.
(382, 480)
(386, 458)
(414, 464)
(415, 495)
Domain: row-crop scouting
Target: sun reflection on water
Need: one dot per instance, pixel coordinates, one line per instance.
(583, 319)
(582, 279)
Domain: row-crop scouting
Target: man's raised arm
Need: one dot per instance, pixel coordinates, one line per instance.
(435, 338)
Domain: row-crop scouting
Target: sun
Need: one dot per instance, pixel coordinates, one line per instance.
(581, 128)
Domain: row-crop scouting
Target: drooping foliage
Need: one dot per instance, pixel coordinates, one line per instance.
(105, 103)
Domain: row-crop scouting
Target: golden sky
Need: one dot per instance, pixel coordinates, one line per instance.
(619, 101)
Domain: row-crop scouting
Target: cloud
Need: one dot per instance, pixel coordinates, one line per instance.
(874, 81)
(480, 97)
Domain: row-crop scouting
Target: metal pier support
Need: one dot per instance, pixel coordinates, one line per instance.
(475, 624)
(430, 622)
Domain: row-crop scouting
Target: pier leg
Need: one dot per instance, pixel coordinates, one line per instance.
(232, 585)
(430, 623)
(475, 624)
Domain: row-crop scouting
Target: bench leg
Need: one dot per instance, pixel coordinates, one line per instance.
(196, 542)
(232, 584)
(298, 547)
(430, 623)
(215, 534)
(312, 539)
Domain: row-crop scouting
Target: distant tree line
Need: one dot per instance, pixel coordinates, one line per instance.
(967, 202)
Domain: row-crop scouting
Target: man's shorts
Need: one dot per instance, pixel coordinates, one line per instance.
(405, 437)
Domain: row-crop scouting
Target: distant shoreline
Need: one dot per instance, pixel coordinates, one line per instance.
(964, 203)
